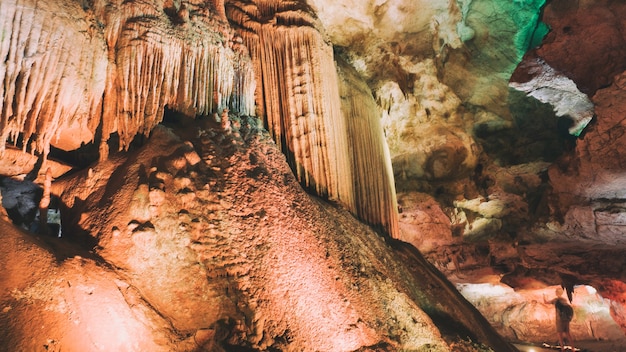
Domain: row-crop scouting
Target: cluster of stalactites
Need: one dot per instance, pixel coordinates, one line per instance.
(299, 96)
(335, 155)
(52, 69)
(66, 69)
(191, 63)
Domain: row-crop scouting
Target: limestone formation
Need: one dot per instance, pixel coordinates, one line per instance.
(44, 203)
(375, 196)
(245, 264)
(70, 70)
(587, 181)
(543, 83)
(137, 59)
(300, 100)
(300, 92)
(196, 68)
(53, 70)
(192, 232)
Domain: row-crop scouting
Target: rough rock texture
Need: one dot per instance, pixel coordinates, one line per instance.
(56, 297)
(581, 240)
(138, 59)
(595, 28)
(535, 77)
(588, 195)
(511, 311)
(184, 58)
(494, 188)
(213, 232)
(440, 77)
(589, 183)
(53, 72)
(474, 162)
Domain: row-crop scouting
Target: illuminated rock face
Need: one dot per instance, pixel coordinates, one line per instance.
(587, 182)
(140, 59)
(593, 173)
(495, 155)
(215, 247)
(152, 216)
(212, 247)
(189, 62)
(71, 303)
(586, 41)
(374, 194)
(585, 195)
(329, 143)
(552, 87)
(53, 74)
(132, 61)
(299, 92)
(480, 192)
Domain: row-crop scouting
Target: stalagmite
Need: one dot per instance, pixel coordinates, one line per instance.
(44, 203)
(225, 122)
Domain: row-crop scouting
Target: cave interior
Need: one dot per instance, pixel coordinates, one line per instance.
(308, 175)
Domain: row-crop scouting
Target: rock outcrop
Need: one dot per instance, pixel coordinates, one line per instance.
(214, 242)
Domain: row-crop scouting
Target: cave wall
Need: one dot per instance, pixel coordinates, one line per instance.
(587, 182)
(488, 177)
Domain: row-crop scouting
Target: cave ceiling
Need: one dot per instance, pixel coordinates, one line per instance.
(230, 137)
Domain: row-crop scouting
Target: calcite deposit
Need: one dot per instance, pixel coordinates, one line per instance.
(306, 175)
(213, 254)
(175, 223)
(327, 142)
(139, 59)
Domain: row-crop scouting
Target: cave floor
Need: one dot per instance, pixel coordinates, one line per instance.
(584, 346)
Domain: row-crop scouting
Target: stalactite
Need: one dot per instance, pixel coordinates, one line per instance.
(52, 66)
(191, 69)
(338, 156)
(375, 195)
(303, 109)
(121, 63)
(66, 70)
